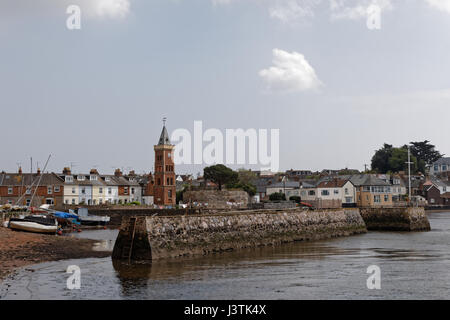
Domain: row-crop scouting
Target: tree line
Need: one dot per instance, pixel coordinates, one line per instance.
(389, 159)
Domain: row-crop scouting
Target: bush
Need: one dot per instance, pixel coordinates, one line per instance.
(297, 199)
(277, 196)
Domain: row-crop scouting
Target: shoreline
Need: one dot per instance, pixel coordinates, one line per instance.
(19, 249)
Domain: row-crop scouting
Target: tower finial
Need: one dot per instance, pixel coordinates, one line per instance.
(164, 121)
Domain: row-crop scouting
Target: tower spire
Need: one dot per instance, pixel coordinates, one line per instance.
(164, 137)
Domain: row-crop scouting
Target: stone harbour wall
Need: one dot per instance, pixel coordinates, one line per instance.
(217, 199)
(165, 237)
(396, 219)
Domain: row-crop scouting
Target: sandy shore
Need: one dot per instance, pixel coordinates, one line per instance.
(18, 249)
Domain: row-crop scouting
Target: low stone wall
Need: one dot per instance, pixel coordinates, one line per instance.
(395, 219)
(116, 215)
(218, 199)
(162, 237)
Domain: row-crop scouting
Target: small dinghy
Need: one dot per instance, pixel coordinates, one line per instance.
(34, 223)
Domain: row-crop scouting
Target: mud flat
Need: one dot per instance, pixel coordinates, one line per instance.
(19, 249)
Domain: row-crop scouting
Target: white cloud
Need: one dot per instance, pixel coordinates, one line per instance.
(113, 9)
(292, 10)
(443, 5)
(356, 9)
(290, 72)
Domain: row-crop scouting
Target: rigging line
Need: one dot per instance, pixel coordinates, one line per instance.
(40, 177)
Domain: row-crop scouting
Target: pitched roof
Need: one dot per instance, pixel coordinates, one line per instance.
(27, 179)
(443, 161)
(287, 184)
(164, 138)
(367, 180)
(438, 182)
(336, 183)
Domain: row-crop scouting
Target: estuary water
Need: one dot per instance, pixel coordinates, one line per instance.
(413, 265)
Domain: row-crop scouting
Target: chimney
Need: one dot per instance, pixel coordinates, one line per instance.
(39, 171)
(93, 171)
(118, 173)
(20, 170)
(66, 171)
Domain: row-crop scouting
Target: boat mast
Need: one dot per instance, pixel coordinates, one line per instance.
(39, 181)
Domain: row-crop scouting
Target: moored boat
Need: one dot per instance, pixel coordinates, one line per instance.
(90, 220)
(34, 223)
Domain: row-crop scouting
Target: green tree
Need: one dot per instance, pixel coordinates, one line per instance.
(244, 182)
(220, 174)
(399, 158)
(380, 161)
(426, 152)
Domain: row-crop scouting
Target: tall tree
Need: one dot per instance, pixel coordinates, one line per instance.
(424, 150)
(380, 160)
(220, 174)
(399, 160)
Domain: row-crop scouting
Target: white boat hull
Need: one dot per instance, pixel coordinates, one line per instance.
(32, 227)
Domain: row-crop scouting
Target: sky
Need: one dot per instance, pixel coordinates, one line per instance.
(335, 86)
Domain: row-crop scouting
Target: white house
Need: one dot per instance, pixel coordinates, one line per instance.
(337, 190)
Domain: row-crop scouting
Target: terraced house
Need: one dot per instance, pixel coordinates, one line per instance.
(31, 189)
(96, 189)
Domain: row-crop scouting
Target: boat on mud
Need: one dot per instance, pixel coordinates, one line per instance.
(90, 220)
(34, 223)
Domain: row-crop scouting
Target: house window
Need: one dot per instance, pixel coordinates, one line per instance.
(377, 199)
(49, 190)
(28, 191)
(73, 201)
(436, 167)
(100, 190)
(69, 179)
(346, 190)
(28, 202)
(125, 190)
(57, 188)
(100, 201)
(83, 190)
(312, 193)
(109, 190)
(10, 202)
(169, 193)
(107, 179)
(336, 191)
(10, 190)
(66, 201)
(80, 178)
(325, 192)
(132, 190)
(386, 198)
(73, 190)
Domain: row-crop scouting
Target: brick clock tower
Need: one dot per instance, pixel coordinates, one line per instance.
(164, 189)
